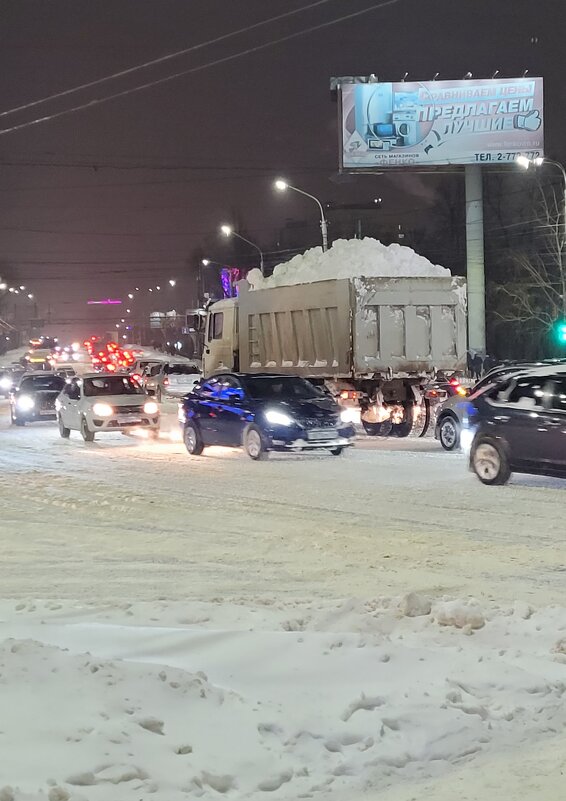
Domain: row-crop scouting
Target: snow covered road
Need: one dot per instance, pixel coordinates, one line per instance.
(180, 628)
(122, 518)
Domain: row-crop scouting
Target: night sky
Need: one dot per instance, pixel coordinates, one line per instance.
(125, 192)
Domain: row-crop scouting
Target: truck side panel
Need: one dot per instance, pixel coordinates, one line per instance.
(302, 330)
(408, 326)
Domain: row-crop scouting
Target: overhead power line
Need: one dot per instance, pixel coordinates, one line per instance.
(162, 59)
(198, 68)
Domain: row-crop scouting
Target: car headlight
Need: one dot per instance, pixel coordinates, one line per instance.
(151, 407)
(5, 383)
(25, 403)
(278, 418)
(350, 415)
(103, 410)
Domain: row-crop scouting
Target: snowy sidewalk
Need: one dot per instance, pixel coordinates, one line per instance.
(291, 701)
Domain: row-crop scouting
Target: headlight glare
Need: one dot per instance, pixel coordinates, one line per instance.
(25, 403)
(151, 407)
(278, 418)
(103, 410)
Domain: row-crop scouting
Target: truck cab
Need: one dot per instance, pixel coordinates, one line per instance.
(221, 337)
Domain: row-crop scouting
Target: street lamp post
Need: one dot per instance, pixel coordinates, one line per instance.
(228, 231)
(282, 186)
(525, 162)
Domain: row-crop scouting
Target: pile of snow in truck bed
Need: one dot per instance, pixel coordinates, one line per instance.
(350, 258)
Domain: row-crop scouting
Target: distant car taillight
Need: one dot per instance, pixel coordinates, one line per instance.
(165, 382)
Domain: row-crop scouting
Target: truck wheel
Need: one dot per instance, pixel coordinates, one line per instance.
(449, 434)
(192, 439)
(65, 432)
(404, 429)
(86, 433)
(489, 462)
(254, 443)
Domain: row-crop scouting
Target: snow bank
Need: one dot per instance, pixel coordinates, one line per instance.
(461, 614)
(282, 700)
(350, 258)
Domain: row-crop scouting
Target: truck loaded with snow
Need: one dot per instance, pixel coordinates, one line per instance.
(372, 323)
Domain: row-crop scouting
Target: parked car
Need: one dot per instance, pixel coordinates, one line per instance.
(262, 413)
(105, 402)
(450, 414)
(33, 398)
(519, 426)
(9, 377)
(173, 379)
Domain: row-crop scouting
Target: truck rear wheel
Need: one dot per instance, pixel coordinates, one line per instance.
(404, 429)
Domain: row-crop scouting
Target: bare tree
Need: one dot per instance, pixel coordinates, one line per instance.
(532, 296)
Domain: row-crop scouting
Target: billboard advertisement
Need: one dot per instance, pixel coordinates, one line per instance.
(431, 123)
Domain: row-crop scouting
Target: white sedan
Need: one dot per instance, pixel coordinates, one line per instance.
(101, 402)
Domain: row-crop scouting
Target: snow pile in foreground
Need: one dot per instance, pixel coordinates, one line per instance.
(271, 701)
(350, 258)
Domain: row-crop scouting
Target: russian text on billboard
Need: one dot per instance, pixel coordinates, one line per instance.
(441, 122)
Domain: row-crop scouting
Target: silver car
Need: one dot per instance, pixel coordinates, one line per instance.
(171, 379)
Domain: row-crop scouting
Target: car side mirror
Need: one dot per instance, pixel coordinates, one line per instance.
(234, 398)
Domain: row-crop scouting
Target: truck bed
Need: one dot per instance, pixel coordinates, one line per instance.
(354, 328)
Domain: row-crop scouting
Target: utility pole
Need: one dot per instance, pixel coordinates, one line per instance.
(475, 258)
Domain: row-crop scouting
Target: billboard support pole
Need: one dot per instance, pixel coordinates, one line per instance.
(475, 259)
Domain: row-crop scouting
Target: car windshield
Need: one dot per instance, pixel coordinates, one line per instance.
(111, 385)
(37, 383)
(183, 369)
(280, 387)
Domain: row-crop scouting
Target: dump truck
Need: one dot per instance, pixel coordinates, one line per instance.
(374, 343)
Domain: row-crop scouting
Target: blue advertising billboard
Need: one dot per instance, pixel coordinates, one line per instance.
(433, 123)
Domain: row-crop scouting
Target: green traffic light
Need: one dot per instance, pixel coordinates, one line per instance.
(561, 332)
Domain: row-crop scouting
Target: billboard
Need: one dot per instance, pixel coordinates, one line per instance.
(435, 123)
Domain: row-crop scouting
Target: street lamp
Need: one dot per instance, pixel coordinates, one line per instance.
(228, 231)
(282, 186)
(172, 282)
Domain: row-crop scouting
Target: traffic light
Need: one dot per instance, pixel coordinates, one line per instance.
(560, 329)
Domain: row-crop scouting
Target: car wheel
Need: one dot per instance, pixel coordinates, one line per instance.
(192, 439)
(86, 433)
(337, 451)
(254, 443)
(16, 421)
(65, 432)
(449, 434)
(489, 462)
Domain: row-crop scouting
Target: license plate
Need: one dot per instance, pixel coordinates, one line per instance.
(322, 434)
(47, 411)
(130, 421)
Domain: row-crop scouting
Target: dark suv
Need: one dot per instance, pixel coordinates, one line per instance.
(519, 426)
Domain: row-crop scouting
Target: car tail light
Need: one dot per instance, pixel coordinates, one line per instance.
(165, 382)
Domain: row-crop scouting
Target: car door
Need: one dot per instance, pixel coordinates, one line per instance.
(204, 405)
(232, 411)
(520, 419)
(70, 401)
(555, 444)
